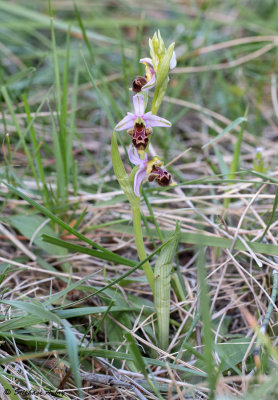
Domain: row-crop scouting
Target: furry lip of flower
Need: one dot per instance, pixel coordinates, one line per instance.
(151, 169)
(149, 119)
(150, 74)
(141, 174)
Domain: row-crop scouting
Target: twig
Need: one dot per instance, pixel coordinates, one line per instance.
(231, 64)
(45, 222)
(274, 94)
(17, 243)
(109, 380)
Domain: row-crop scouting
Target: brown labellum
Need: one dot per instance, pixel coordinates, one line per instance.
(140, 135)
(162, 177)
(138, 83)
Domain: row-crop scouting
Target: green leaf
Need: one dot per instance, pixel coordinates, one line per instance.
(140, 363)
(27, 226)
(204, 310)
(162, 286)
(138, 359)
(34, 309)
(232, 352)
(85, 250)
(85, 311)
(22, 322)
(72, 349)
(18, 76)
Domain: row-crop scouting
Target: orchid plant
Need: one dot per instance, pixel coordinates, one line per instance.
(139, 125)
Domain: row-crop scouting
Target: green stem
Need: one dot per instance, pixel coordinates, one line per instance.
(140, 245)
(126, 183)
(271, 304)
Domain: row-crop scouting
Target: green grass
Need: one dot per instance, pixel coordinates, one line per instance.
(75, 300)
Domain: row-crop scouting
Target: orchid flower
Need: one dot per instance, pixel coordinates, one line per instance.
(141, 174)
(151, 169)
(150, 73)
(139, 116)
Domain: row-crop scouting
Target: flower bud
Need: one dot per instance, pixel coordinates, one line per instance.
(154, 51)
(161, 49)
(155, 43)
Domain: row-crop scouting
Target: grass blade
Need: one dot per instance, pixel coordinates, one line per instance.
(26, 12)
(207, 240)
(226, 130)
(20, 134)
(34, 309)
(140, 362)
(36, 150)
(9, 391)
(72, 349)
(60, 222)
(235, 161)
(84, 250)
